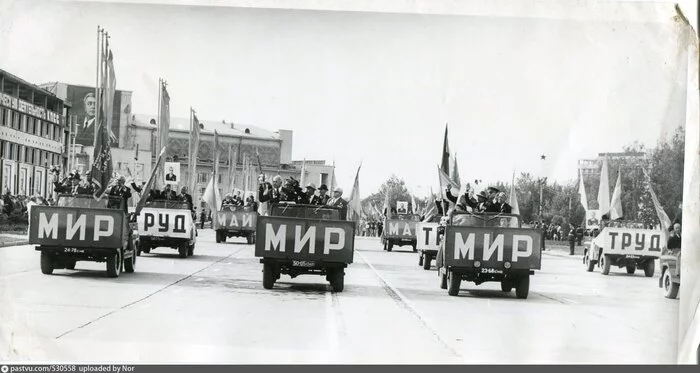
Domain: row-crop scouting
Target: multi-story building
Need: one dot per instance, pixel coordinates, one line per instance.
(238, 144)
(593, 166)
(317, 172)
(33, 136)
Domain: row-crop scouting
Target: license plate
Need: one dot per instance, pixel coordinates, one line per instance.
(73, 250)
(632, 257)
(302, 263)
(490, 270)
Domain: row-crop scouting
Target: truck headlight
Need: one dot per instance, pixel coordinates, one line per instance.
(506, 265)
(477, 264)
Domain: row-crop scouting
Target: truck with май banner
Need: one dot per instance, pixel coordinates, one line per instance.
(400, 230)
(236, 221)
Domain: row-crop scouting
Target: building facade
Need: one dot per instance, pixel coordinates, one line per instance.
(589, 167)
(317, 172)
(239, 146)
(33, 136)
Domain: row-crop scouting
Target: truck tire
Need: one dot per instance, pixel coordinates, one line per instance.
(631, 269)
(268, 276)
(218, 237)
(605, 264)
(649, 268)
(522, 288)
(443, 280)
(453, 282)
(190, 250)
(70, 264)
(130, 264)
(670, 287)
(589, 264)
(114, 264)
(506, 286)
(182, 250)
(389, 246)
(426, 262)
(420, 259)
(415, 250)
(46, 263)
(337, 280)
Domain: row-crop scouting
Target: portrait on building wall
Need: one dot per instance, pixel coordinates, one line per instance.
(172, 173)
(85, 110)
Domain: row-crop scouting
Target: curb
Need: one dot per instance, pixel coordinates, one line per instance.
(16, 243)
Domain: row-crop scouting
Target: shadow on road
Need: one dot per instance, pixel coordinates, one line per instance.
(194, 258)
(147, 278)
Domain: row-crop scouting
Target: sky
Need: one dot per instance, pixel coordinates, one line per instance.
(378, 89)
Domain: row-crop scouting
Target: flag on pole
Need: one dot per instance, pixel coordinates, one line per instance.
(445, 162)
(414, 204)
(163, 130)
(604, 190)
(387, 205)
(354, 202)
(302, 180)
(332, 183)
(582, 191)
(232, 170)
(616, 203)
(194, 150)
(664, 220)
(513, 200)
(151, 181)
(108, 105)
(454, 172)
(102, 169)
(446, 182)
(212, 197)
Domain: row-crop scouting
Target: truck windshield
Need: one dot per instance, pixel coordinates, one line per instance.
(306, 211)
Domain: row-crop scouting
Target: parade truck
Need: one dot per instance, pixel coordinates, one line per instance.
(167, 224)
(670, 280)
(400, 230)
(428, 234)
(297, 239)
(236, 221)
(629, 248)
(82, 228)
(488, 247)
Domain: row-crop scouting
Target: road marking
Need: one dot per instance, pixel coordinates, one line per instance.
(147, 296)
(331, 322)
(403, 301)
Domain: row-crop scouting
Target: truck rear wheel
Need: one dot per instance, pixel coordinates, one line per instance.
(218, 237)
(649, 268)
(420, 259)
(454, 280)
(522, 289)
(182, 250)
(389, 246)
(46, 263)
(337, 280)
(506, 286)
(631, 269)
(268, 276)
(414, 248)
(589, 264)
(670, 287)
(114, 264)
(190, 250)
(443, 280)
(605, 264)
(426, 262)
(249, 239)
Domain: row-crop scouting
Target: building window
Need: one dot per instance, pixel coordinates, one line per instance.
(15, 122)
(220, 179)
(23, 123)
(202, 177)
(16, 155)
(3, 113)
(324, 178)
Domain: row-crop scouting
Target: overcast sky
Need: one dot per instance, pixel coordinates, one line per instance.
(378, 88)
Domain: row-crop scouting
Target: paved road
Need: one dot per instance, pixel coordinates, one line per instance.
(211, 308)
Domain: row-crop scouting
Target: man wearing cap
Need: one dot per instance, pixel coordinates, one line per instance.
(339, 202)
(121, 190)
(306, 197)
(322, 198)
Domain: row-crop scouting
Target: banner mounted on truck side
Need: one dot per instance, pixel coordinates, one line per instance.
(291, 238)
(236, 220)
(76, 227)
(404, 229)
(427, 234)
(629, 241)
(492, 247)
(165, 223)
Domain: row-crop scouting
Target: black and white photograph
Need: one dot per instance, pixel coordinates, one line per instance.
(387, 182)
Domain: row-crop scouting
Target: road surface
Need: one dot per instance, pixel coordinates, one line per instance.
(212, 308)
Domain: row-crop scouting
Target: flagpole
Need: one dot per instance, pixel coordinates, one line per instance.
(97, 82)
(158, 129)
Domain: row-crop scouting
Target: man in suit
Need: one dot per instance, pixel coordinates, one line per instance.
(264, 195)
(85, 133)
(674, 241)
(171, 175)
(322, 198)
(121, 190)
(339, 202)
(308, 195)
(186, 197)
(501, 204)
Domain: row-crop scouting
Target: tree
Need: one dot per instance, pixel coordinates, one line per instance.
(396, 188)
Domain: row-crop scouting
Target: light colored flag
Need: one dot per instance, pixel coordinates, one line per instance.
(660, 213)
(445, 161)
(195, 129)
(446, 182)
(332, 183)
(232, 169)
(454, 172)
(616, 203)
(212, 197)
(302, 179)
(604, 189)
(354, 202)
(582, 191)
(163, 131)
(387, 205)
(108, 104)
(513, 200)
(151, 182)
(413, 203)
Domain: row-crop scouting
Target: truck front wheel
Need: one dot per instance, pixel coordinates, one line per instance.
(130, 263)
(506, 286)
(605, 264)
(649, 268)
(389, 245)
(114, 264)
(337, 280)
(670, 287)
(589, 264)
(46, 263)
(182, 250)
(427, 261)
